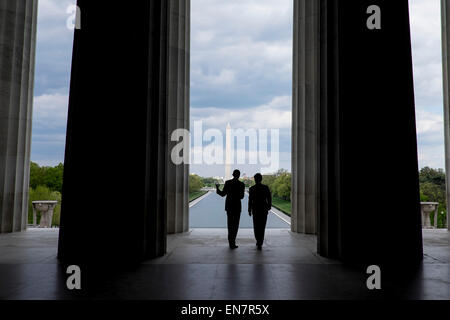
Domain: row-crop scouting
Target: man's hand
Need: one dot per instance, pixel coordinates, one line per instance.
(217, 186)
(250, 213)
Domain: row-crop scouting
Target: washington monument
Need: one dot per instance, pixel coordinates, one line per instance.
(228, 154)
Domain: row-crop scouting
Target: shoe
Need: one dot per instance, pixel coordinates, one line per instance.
(234, 247)
(259, 247)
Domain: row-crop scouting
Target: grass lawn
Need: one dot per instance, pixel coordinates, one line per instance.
(282, 205)
(196, 194)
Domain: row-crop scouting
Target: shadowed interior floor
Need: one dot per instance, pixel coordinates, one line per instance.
(199, 265)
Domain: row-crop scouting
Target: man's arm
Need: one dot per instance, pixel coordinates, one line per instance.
(242, 191)
(224, 192)
(269, 199)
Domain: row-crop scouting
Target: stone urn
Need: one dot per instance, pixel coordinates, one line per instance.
(426, 209)
(46, 209)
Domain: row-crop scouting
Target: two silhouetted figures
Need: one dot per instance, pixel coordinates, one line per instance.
(259, 205)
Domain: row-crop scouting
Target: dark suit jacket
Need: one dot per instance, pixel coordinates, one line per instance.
(234, 190)
(260, 199)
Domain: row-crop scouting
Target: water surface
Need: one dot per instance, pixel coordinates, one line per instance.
(210, 213)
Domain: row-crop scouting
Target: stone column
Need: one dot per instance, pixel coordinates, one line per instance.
(17, 60)
(34, 217)
(129, 89)
(51, 208)
(436, 215)
(46, 208)
(445, 10)
(368, 134)
(178, 113)
(305, 116)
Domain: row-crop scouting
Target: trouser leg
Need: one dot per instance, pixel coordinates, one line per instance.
(233, 226)
(259, 226)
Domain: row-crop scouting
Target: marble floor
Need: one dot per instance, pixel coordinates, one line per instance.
(200, 266)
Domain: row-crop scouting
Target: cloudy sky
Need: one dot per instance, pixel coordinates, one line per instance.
(241, 70)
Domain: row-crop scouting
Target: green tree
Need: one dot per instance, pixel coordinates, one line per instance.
(195, 183)
(37, 175)
(435, 176)
(210, 182)
(248, 182)
(423, 197)
(54, 177)
(433, 192)
(282, 186)
(51, 177)
(433, 189)
(269, 179)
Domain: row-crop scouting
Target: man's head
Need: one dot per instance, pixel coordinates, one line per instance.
(258, 178)
(236, 174)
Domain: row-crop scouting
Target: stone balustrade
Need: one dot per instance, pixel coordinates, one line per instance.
(426, 208)
(46, 208)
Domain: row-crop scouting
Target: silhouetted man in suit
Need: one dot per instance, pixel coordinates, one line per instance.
(259, 204)
(234, 190)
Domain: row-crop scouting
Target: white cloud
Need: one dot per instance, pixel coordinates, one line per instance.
(51, 138)
(246, 45)
(428, 83)
(277, 114)
(49, 129)
(52, 15)
(428, 122)
(427, 52)
(431, 156)
(430, 138)
(54, 9)
(225, 77)
(50, 111)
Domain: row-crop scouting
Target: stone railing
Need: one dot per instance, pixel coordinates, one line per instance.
(426, 209)
(46, 209)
